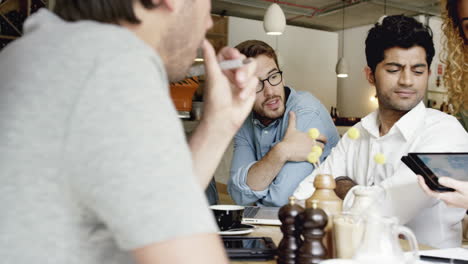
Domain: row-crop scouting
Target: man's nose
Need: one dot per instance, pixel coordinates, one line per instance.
(268, 89)
(406, 78)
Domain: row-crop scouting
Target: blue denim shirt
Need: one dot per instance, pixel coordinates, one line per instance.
(254, 140)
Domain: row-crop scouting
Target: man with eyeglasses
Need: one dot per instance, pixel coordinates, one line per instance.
(271, 147)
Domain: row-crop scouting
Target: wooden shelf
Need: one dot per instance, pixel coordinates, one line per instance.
(218, 34)
(7, 37)
(215, 35)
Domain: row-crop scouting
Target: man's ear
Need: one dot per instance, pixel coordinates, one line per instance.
(369, 75)
(429, 72)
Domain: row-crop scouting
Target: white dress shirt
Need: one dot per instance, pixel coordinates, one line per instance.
(420, 130)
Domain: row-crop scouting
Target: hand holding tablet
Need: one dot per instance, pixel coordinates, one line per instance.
(431, 166)
(457, 198)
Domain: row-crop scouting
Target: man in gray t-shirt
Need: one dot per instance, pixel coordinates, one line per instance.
(94, 166)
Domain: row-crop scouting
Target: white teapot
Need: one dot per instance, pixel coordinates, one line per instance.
(365, 200)
(380, 243)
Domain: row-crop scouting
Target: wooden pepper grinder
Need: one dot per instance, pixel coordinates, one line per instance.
(291, 241)
(312, 250)
(327, 200)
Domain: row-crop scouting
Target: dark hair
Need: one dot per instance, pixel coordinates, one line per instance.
(254, 48)
(106, 11)
(397, 31)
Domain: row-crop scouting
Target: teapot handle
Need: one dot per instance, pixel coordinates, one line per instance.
(406, 232)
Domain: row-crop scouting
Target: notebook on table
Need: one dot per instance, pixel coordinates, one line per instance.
(261, 215)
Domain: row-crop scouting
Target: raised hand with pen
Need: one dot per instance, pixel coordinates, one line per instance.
(228, 96)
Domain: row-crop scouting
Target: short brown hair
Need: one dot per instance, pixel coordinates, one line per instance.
(106, 11)
(254, 48)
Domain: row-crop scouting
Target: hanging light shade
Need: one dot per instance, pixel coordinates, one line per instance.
(380, 21)
(199, 57)
(274, 20)
(341, 68)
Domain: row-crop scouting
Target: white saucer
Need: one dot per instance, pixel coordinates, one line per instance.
(237, 232)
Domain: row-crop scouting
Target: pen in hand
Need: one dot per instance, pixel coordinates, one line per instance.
(198, 70)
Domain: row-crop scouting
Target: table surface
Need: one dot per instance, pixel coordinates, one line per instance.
(275, 233)
(264, 231)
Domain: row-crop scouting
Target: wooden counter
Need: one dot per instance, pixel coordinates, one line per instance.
(275, 233)
(264, 231)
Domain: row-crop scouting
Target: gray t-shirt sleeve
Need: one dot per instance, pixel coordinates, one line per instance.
(129, 162)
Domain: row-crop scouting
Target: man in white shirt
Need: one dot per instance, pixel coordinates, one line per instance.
(399, 53)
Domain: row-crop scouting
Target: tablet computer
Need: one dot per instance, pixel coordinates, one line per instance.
(249, 248)
(431, 182)
(434, 165)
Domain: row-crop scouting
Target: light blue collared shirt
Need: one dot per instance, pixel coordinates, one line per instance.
(254, 140)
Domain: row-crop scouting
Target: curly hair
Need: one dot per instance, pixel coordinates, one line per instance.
(454, 56)
(397, 31)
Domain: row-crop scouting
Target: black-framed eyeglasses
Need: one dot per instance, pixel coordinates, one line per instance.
(274, 79)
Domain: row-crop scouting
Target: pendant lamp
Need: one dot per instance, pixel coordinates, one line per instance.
(380, 21)
(274, 20)
(199, 57)
(341, 68)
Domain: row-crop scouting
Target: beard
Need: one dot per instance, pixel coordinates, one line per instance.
(400, 105)
(180, 43)
(177, 69)
(178, 57)
(266, 115)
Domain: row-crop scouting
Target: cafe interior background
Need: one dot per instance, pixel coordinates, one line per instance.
(318, 33)
(315, 38)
